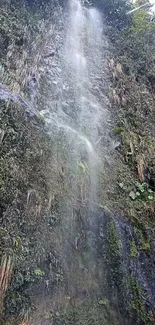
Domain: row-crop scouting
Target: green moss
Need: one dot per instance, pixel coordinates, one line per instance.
(138, 304)
(145, 241)
(113, 240)
(118, 130)
(133, 249)
(113, 256)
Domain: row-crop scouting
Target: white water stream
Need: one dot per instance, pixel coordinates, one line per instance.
(76, 104)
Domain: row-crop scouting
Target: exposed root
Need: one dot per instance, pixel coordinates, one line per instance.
(6, 268)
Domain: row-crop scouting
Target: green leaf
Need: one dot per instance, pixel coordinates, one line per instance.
(132, 195)
(121, 185)
(118, 130)
(39, 272)
(17, 241)
(103, 302)
(48, 316)
(150, 197)
(81, 164)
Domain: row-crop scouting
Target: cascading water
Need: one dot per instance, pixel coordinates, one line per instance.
(76, 112)
(77, 106)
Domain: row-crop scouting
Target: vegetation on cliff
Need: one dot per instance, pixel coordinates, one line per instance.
(132, 98)
(30, 199)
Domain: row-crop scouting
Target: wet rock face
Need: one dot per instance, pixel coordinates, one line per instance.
(138, 259)
(6, 95)
(127, 252)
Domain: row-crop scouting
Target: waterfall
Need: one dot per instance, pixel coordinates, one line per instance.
(77, 247)
(76, 112)
(76, 106)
